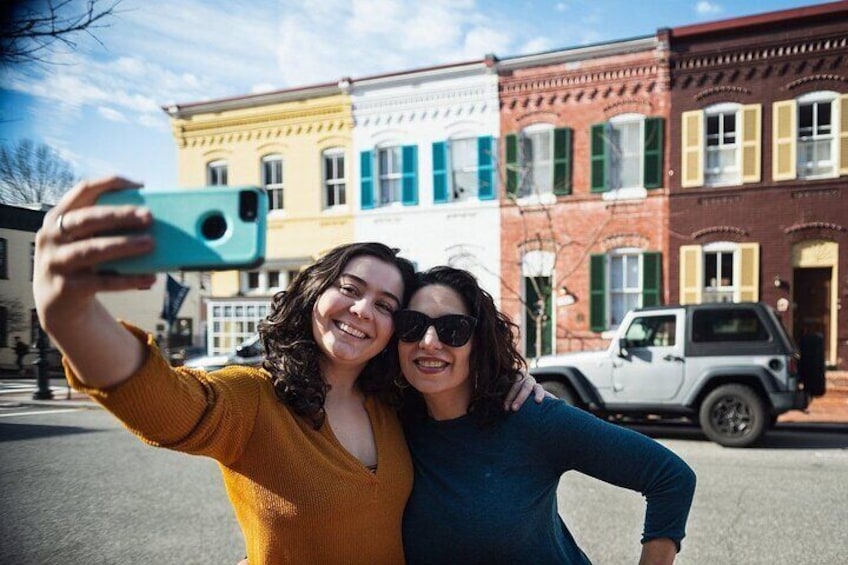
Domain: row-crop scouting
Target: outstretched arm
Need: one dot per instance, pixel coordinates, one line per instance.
(660, 551)
(68, 247)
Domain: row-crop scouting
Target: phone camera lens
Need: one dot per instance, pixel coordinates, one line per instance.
(214, 227)
(248, 205)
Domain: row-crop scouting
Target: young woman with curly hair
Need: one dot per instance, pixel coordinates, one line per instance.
(486, 480)
(310, 446)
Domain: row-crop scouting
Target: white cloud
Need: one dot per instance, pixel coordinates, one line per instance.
(560, 7)
(111, 114)
(707, 8)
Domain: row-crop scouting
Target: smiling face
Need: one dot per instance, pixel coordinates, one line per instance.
(439, 372)
(352, 319)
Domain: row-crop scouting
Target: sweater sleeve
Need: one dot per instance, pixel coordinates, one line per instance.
(624, 458)
(183, 409)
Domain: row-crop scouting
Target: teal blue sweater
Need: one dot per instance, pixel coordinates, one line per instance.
(489, 495)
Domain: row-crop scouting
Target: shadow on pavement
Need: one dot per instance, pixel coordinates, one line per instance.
(17, 432)
(784, 436)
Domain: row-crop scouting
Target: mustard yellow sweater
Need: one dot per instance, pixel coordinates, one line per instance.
(298, 495)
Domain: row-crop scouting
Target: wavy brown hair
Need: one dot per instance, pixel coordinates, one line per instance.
(292, 353)
(494, 364)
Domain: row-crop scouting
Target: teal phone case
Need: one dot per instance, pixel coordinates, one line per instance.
(181, 229)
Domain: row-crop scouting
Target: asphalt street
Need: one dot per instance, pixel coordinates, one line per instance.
(78, 488)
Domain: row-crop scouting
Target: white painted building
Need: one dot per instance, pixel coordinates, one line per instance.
(425, 172)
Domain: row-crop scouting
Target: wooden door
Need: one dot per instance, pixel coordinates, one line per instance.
(811, 294)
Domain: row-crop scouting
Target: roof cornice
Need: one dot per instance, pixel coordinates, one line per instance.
(608, 49)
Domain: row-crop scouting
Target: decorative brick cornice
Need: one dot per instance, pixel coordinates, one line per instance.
(619, 81)
(755, 55)
(433, 104)
(621, 240)
(719, 230)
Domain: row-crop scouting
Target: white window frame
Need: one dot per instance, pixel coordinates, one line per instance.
(231, 322)
(390, 181)
(815, 137)
(717, 291)
(463, 167)
(627, 254)
(216, 171)
(614, 171)
(335, 185)
(275, 187)
(528, 188)
(730, 175)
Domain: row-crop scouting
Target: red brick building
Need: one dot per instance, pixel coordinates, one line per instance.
(758, 207)
(584, 214)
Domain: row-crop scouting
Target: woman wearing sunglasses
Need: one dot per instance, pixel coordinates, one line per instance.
(310, 447)
(485, 481)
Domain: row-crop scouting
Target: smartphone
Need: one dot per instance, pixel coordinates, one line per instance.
(196, 229)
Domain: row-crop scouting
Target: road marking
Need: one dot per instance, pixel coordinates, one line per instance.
(38, 412)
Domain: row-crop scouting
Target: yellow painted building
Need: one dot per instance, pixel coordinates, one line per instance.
(297, 144)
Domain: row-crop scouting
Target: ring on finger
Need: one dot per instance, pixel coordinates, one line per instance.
(60, 222)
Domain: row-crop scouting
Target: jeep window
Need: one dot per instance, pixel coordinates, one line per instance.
(733, 324)
(651, 331)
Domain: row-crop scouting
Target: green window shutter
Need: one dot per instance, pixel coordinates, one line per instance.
(512, 165)
(440, 172)
(653, 152)
(485, 168)
(366, 179)
(409, 174)
(599, 157)
(598, 292)
(651, 278)
(562, 161)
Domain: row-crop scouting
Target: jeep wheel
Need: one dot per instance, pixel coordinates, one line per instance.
(733, 416)
(559, 390)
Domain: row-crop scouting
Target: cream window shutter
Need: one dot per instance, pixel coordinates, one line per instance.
(842, 102)
(751, 136)
(784, 146)
(691, 274)
(692, 153)
(748, 273)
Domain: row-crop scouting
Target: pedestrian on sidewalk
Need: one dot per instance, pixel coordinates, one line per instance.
(310, 446)
(21, 350)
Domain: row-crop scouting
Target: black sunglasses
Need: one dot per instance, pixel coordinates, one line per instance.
(454, 329)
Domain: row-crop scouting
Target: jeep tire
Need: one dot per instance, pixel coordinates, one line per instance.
(559, 390)
(733, 416)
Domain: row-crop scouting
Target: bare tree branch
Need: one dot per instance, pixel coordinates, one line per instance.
(31, 29)
(33, 173)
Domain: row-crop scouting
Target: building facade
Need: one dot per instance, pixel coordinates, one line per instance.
(584, 210)
(297, 145)
(426, 145)
(758, 208)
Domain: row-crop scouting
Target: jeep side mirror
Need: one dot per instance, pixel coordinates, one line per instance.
(623, 347)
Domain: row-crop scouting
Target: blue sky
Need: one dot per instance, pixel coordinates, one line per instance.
(100, 105)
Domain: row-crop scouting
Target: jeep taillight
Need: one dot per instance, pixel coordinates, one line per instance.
(792, 367)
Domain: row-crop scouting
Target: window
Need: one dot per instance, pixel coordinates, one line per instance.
(216, 173)
(626, 153)
(390, 174)
(733, 324)
(4, 259)
(272, 179)
(263, 281)
(722, 147)
(4, 326)
(231, 323)
(651, 331)
(463, 163)
(625, 285)
(621, 280)
(334, 178)
(536, 156)
(816, 142)
(719, 280)
(538, 318)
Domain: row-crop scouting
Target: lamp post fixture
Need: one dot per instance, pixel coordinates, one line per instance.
(42, 379)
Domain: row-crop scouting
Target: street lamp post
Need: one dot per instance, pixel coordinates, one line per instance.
(42, 379)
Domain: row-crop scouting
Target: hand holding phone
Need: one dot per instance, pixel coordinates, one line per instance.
(200, 229)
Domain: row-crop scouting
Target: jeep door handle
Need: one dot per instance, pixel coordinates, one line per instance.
(671, 357)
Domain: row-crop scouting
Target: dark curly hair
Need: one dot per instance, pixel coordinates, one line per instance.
(494, 364)
(292, 353)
